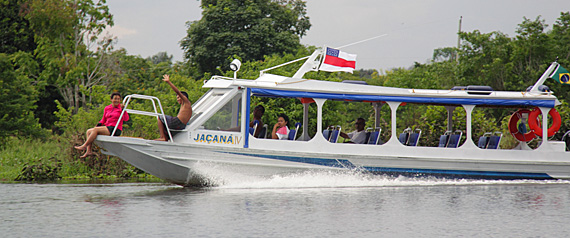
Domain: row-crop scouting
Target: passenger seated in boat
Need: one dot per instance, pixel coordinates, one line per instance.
(358, 136)
(179, 122)
(281, 128)
(106, 125)
(258, 112)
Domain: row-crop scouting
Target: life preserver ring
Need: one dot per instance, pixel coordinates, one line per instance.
(536, 125)
(513, 127)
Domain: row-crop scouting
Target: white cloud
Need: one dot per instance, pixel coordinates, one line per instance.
(119, 31)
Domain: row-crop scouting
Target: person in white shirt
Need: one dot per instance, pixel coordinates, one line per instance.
(359, 135)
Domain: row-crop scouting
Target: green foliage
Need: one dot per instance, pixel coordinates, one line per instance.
(65, 32)
(39, 172)
(16, 34)
(21, 155)
(18, 96)
(249, 29)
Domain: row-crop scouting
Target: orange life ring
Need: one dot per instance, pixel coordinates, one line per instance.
(536, 125)
(513, 122)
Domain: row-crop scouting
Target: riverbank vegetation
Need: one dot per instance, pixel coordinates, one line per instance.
(57, 73)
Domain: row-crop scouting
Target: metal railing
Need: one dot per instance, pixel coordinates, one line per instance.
(154, 101)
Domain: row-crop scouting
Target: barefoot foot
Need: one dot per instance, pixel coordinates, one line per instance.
(86, 154)
(80, 147)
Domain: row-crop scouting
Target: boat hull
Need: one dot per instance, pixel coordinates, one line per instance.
(199, 165)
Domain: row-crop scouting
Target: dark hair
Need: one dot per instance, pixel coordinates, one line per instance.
(185, 94)
(261, 108)
(115, 93)
(285, 117)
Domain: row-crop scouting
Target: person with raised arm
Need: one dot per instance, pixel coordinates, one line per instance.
(178, 122)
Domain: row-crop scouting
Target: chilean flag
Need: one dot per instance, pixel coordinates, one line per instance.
(336, 60)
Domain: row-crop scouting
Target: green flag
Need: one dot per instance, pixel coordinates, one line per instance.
(561, 75)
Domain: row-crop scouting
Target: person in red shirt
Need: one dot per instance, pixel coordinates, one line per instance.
(107, 124)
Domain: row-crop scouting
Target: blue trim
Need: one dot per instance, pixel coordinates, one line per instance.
(435, 100)
(247, 108)
(340, 163)
(461, 173)
(343, 163)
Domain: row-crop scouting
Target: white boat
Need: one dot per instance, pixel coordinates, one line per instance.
(202, 147)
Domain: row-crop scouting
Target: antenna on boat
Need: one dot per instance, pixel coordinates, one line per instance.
(362, 41)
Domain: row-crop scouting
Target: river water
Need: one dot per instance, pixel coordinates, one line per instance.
(302, 205)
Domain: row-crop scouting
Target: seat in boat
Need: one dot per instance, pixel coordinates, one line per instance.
(263, 132)
(494, 140)
(334, 134)
(293, 132)
(454, 139)
(484, 140)
(444, 139)
(414, 138)
(373, 136)
(255, 127)
(403, 138)
(327, 134)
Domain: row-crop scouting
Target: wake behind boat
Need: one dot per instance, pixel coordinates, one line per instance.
(204, 144)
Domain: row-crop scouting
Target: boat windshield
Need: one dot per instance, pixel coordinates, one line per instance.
(206, 102)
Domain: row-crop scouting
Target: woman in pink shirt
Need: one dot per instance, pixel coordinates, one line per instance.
(107, 124)
(281, 128)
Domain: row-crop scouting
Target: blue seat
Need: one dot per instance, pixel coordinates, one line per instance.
(255, 127)
(414, 138)
(494, 141)
(453, 141)
(484, 140)
(327, 134)
(292, 134)
(373, 138)
(334, 134)
(443, 139)
(403, 138)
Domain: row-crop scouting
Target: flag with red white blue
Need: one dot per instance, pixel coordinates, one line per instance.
(336, 60)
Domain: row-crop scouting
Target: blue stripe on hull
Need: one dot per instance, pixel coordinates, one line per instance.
(342, 163)
(460, 173)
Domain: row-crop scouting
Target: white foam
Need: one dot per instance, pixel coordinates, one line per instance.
(353, 179)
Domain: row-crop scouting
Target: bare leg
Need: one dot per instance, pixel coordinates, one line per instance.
(161, 131)
(100, 130)
(87, 134)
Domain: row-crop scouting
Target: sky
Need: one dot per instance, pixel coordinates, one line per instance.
(404, 31)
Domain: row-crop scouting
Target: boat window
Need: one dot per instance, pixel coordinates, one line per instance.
(206, 102)
(227, 118)
(426, 125)
(340, 120)
(295, 112)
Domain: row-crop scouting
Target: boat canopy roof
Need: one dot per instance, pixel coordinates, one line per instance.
(269, 85)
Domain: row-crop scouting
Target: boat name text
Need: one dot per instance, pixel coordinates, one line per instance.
(218, 139)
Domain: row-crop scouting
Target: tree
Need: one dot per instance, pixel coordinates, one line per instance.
(16, 34)
(66, 33)
(161, 57)
(561, 36)
(250, 29)
(18, 96)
